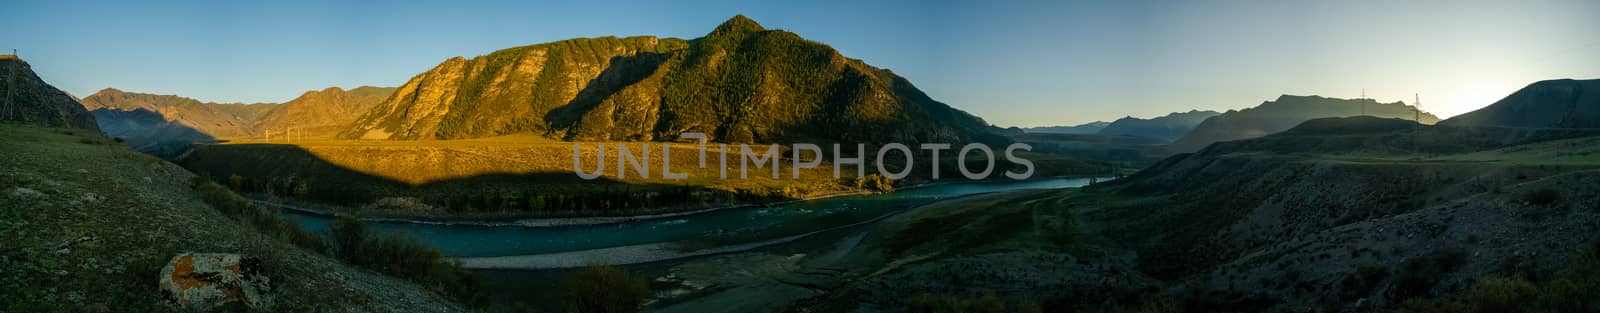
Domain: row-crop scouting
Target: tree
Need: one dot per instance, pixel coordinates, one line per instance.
(302, 190)
(348, 237)
(236, 182)
(604, 289)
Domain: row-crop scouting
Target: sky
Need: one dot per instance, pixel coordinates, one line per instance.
(1017, 63)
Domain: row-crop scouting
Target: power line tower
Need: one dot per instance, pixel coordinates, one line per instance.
(1363, 101)
(1416, 109)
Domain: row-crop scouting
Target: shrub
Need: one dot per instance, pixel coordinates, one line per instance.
(1426, 306)
(943, 303)
(1575, 287)
(401, 256)
(1542, 197)
(604, 289)
(262, 219)
(1499, 294)
(875, 182)
(1451, 259)
(348, 236)
(236, 182)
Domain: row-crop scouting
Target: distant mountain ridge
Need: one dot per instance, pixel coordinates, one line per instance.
(739, 83)
(1562, 103)
(215, 119)
(164, 125)
(1085, 128)
(1288, 111)
(1167, 127)
(322, 113)
(30, 100)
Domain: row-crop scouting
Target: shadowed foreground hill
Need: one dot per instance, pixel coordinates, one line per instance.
(1286, 112)
(1357, 214)
(1561, 103)
(739, 83)
(30, 100)
(87, 226)
(1288, 219)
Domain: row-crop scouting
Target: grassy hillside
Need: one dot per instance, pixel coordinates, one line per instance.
(1337, 215)
(88, 224)
(1304, 211)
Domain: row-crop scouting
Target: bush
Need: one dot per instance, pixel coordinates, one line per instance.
(1500, 294)
(1542, 197)
(401, 256)
(1425, 306)
(931, 303)
(604, 289)
(262, 219)
(875, 182)
(348, 236)
(1575, 287)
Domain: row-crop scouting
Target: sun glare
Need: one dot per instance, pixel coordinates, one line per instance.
(1465, 97)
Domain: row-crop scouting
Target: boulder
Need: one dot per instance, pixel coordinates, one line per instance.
(205, 281)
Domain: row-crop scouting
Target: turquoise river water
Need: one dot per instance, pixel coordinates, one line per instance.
(732, 223)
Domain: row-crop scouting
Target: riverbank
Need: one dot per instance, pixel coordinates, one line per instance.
(543, 221)
(657, 252)
(523, 220)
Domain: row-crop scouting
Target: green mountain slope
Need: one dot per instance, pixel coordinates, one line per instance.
(1288, 111)
(1563, 103)
(26, 98)
(508, 91)
(739, 83)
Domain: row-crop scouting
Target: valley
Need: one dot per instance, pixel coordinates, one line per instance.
(527, 158)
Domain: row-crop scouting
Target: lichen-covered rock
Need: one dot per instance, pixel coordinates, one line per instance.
(209, 280)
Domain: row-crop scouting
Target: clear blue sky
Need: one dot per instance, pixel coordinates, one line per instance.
(1014, 63)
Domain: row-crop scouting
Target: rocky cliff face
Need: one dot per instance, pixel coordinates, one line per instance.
(740, 83)
(1563, 103)
(1286, 112)
(506, 91)
(28, 99)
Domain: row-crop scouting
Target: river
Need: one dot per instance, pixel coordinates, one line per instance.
(733, 224)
